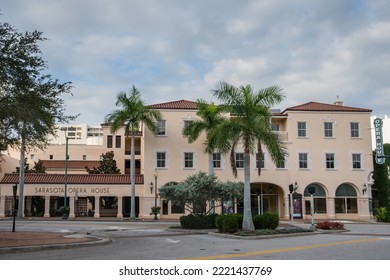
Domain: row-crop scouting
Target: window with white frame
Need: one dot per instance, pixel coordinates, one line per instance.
(355, 133)
(330, 161)
(303, 160)
(161, 159)
(281, 164)
(161, 127)
(328, 129)
(239, 158)
(302, 129)
(217, 160)
(260, 160)
(188, 160)
(186, 123)
(356, 161)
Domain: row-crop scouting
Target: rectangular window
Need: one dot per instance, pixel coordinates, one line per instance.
(354, 130)
(328, 129)
(275, 126)
(109, 141)
(84, 157)
(188, 160)
(217, 160)
(302, 129)
(239, 160)
(258, 160)
(281, 164)
(117, 141)
(32, 156)
(303, 162)
(329, 160)
(356, 161)
(51, 157)
(161, 128)
(161, 159)
(186, 123)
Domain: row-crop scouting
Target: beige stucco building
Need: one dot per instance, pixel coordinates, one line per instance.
(329, 147)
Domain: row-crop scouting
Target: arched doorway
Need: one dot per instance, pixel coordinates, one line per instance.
(346, 199)
(319, 199)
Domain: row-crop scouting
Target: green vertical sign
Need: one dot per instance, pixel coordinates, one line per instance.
(378, 123)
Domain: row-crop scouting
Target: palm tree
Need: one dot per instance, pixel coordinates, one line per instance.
(250, 126)
(210, 115)
(131, 114)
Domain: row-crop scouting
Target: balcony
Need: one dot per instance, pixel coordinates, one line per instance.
(128, 152)
(282, 135)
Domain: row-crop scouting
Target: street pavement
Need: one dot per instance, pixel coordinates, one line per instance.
(42, 234)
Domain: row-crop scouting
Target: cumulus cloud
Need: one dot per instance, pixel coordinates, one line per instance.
(174, 49)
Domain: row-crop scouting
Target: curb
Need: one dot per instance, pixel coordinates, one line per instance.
(34, 248)
(281, 235)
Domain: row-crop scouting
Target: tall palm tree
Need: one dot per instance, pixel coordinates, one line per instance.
(131, 114)
(210, 117)
(249, 126)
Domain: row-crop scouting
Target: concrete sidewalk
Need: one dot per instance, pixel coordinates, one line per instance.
(25, 241)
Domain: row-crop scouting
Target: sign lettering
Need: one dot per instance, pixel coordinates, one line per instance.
(378, 123)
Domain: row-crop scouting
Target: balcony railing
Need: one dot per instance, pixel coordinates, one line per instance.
(128, 152)
(282, 135)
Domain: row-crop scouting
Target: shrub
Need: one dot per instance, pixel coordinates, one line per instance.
(329, 225)
(266, 221)
(229, 223)
(382, 214)
(198, 221)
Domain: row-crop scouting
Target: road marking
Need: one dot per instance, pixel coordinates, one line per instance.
(282, 250)
(169, 240)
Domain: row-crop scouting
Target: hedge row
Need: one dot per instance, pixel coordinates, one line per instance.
(228, 223)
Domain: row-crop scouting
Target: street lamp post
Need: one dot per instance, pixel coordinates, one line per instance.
(65, 212)
(292, 189)
(14, 189)
(155, 193)
(64, 208)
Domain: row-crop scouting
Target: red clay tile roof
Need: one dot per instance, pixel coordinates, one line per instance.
(178, 105)
(323, 107)
(72, 164)
(88, 179)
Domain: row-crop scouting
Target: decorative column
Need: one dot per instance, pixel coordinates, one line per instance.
(2, 206)
(331, 208)
(71, 208)
(97, 207)
(120, 207)
(47, 207)
(286, 207)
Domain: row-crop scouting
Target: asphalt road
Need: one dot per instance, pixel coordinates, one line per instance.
(152, 241)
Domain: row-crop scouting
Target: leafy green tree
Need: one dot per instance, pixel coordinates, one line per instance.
(38, 167)
(30, 101)
(381, 179)
(107, 165)
(249, 125)
(210, 116)
(199, 190)
(131, 114)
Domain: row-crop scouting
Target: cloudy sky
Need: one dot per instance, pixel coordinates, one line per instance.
(180, 49)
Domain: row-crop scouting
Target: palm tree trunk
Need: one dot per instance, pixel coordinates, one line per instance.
(247, 222)
(211, 164)
(132, 176)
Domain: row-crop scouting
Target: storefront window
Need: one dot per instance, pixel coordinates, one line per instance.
(346, 200)
(319, 199)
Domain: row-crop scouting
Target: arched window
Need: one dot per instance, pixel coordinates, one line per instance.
(319, 199)
(346, 199)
